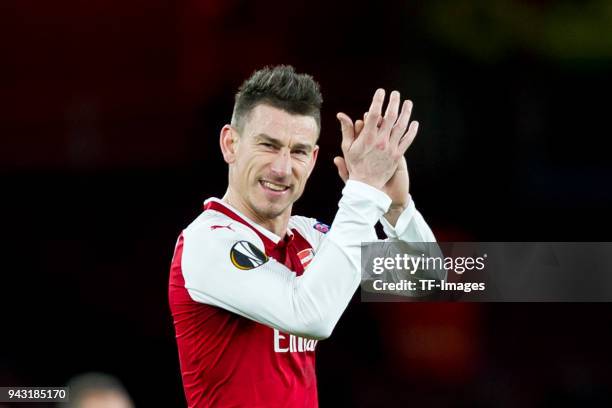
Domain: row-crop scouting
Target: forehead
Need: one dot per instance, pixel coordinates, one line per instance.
(281, 125)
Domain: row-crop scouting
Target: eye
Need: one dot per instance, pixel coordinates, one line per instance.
(300, 152)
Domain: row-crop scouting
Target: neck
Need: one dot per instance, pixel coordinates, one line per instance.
(276, 224)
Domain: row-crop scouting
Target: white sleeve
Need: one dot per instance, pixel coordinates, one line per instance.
(410, 226)
(309, 305)
(412, 230)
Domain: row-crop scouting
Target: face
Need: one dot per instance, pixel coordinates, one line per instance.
(270, 161)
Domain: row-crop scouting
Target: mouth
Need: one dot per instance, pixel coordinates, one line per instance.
(272, 187)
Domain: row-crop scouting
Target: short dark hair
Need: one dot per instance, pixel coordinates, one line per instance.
(281, 87)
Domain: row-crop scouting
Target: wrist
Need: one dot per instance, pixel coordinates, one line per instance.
(394, 212)
(367, 181)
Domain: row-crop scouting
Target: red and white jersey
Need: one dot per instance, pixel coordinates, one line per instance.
(250, 306)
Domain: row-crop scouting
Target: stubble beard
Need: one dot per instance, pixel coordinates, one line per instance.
(269, 210)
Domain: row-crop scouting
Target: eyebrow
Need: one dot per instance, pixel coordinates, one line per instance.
(277, 143)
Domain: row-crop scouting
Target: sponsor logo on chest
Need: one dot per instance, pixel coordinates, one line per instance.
(289, 343)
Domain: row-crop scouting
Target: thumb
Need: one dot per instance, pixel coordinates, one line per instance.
(342, 170)
(348, 131)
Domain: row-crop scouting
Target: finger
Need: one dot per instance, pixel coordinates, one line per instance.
(375, 108)
(406, 141)
(380, 119)
(402, 123)
(348, 131)
(342, 170)
(390, 114)
(358, 127)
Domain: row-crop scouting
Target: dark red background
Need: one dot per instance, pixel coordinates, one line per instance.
(110, 114)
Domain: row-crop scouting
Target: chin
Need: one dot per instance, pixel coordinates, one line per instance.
(271, 209)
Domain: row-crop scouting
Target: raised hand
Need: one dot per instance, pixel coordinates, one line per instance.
(389, 129)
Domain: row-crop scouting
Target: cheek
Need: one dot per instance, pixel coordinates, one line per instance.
(301, 172)
(254, 169)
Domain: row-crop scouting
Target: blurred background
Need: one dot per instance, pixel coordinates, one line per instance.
(109, 120)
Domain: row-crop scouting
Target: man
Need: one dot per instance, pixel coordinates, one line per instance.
(97, 390)
(253, 288)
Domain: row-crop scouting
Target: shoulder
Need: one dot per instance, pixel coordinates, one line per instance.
(310, 228)
(307, 223)
(212, 231)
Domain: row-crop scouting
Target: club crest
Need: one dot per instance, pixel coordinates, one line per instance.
(305, 256)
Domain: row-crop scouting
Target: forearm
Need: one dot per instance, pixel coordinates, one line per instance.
(335, 273)
(412, 231)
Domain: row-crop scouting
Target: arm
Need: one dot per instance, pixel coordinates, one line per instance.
(309, 305)
(411, 229)
(402, 222)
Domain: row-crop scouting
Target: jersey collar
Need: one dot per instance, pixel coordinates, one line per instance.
(224, 208)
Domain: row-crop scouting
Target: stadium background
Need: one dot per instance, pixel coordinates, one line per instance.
(110, 117)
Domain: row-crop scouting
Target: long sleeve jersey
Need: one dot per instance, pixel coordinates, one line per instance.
(249, 306)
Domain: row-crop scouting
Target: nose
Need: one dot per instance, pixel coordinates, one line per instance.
(281, 165)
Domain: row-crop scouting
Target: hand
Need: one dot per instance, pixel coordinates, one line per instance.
(397, 186)
(373, 157)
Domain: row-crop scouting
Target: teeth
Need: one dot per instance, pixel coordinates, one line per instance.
(275, 187)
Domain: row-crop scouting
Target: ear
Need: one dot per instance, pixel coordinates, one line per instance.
(315, 154)
(228, 140)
